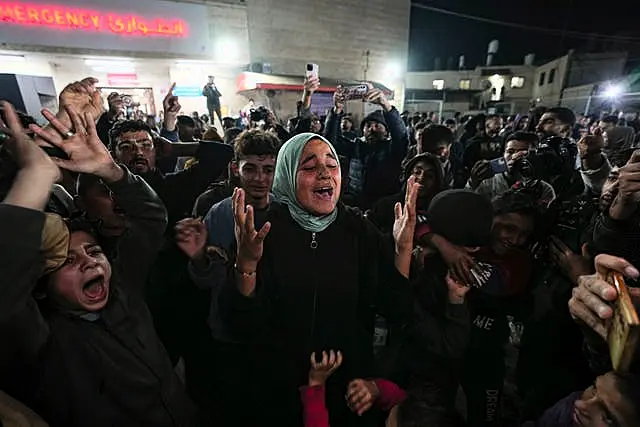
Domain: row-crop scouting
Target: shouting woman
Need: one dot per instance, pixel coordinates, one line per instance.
(312, 278)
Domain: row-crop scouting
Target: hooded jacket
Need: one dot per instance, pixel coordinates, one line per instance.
(372, 169)
(99, 369)
(382, 212)
(310, 298)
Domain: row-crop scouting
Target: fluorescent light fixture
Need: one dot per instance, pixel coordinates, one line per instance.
(109, 63)
(193, 62)
(12, 58)
(112, 69)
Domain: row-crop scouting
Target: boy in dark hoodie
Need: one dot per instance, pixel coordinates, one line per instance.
(426, 168)
(436, 345)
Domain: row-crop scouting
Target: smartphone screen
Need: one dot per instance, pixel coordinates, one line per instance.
(498, 166)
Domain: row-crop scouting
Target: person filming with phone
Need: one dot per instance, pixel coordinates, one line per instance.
(493, 178)
(373, 161)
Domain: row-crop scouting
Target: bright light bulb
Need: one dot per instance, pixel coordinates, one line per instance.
(613, 91)
(393, 70)
(226, 51)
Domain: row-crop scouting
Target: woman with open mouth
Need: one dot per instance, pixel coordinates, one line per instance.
(312, 279)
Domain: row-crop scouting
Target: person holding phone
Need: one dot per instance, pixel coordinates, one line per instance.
(493, 178)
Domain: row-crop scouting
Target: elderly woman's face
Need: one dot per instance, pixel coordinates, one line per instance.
(318, 178)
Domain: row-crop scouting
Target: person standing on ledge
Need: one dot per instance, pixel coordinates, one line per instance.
(211, 92)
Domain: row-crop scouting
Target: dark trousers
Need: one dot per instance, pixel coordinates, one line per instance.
(482, 382)
(215, 109)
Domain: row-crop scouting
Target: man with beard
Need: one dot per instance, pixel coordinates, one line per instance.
(373, 161)
(133, 146)
(179, 309)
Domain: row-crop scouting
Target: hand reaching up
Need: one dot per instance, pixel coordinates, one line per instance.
(37, 172)
(82, 97)
(321, 371)
(405, 217)
(249, 241)
(85, 152)
(311, 84)
(171, 106)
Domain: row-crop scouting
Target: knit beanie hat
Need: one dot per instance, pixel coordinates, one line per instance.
(377, 116)
(462, 217)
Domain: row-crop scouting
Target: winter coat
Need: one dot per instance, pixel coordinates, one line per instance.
(100, 369)
(315, 292)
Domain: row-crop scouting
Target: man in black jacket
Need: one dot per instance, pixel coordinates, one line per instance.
(89, 350)
(374, 161)
(179, 308)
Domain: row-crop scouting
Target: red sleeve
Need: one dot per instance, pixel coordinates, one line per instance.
(421, 230)
(313, 406)
(390, 394)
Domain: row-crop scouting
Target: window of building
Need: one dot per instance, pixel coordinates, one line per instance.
(438, 84)
(543, 76)
(517, 82)
(465, 84)
(552, 75)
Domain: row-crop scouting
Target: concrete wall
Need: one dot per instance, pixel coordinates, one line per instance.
(424, 80)
(549, 94)
(596, 67)
(287, 34)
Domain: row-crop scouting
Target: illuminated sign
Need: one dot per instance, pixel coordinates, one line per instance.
(71, 18)
(188, 91)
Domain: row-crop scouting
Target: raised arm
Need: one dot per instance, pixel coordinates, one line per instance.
(21, 226)
(146, 214)
(395, 125)
(332, 126)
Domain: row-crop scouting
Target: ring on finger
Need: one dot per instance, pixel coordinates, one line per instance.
(68, 134)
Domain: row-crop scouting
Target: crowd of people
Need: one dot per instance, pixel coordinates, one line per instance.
(410, 271)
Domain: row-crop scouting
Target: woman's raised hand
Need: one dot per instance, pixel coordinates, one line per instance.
(249, 241)
(405, 223)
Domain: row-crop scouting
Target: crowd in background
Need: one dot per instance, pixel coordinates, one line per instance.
(407, 271)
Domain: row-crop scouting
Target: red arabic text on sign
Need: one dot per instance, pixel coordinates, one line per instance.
(90, 20)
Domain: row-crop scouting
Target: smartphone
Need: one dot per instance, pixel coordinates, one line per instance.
(498, 165)
(357, 91)
(312, 70)
(55, 152)
(624, 327)
(51, 152)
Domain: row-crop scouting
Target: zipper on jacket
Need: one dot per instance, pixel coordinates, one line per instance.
(313, 245)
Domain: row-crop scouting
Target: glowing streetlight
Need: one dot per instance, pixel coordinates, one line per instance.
(393, 71)
(613, 91)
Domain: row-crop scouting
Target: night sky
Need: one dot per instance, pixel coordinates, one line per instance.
(435, 34)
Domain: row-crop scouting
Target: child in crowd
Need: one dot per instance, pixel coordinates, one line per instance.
(401, 410)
